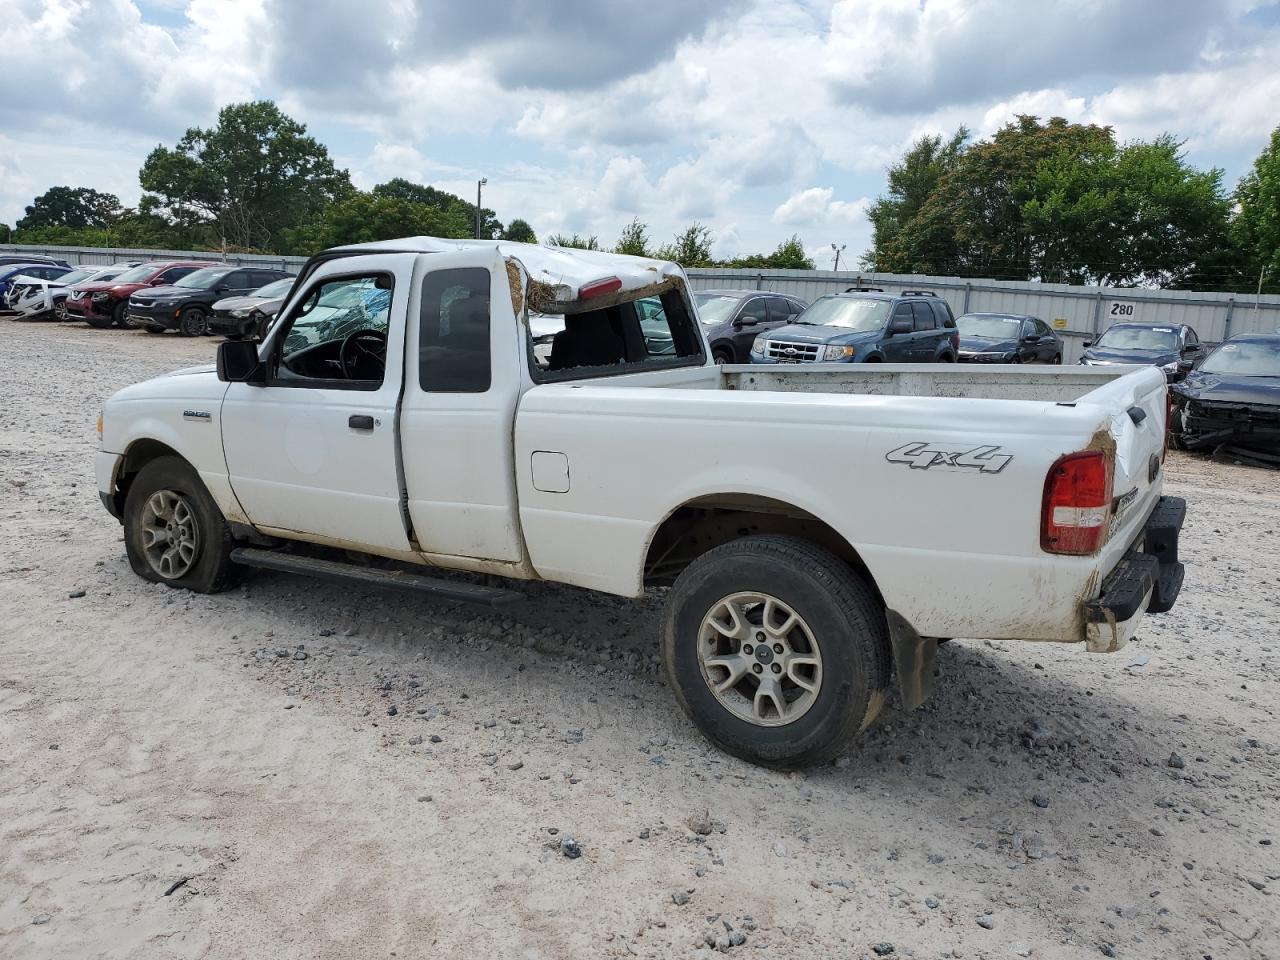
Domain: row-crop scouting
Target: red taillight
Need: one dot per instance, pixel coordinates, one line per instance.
(598, 288)
(1077, 504)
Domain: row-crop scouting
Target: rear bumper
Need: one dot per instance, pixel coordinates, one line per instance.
(1147, 579)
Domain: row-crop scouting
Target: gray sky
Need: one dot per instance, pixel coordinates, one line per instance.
(761, 118)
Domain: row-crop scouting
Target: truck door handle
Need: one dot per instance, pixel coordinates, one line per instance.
(360, 421)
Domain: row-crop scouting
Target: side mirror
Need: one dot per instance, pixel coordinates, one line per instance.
(1185, 366)
(238, 362)
(1088, 344)
(901, 326)
(745, 322)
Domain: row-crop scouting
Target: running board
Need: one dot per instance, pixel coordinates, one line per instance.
(400, 580)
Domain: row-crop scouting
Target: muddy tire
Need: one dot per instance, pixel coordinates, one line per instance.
(120, 314)
(173, 531)
(776, 650)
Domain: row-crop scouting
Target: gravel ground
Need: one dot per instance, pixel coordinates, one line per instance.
(297, 770)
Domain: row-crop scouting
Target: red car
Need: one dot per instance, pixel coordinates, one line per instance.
(105, 304)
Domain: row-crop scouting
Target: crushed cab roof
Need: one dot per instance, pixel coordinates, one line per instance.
(560, 271)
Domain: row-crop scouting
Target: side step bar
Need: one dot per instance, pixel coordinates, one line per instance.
(367, 576)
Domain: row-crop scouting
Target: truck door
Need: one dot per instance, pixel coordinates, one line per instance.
(313, 451)
(462, 385)
(897, 346)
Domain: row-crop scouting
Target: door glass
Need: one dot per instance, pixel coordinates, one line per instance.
(453, 332)
(924, 316)
(754, 310)
(779, 310)
(331, 313)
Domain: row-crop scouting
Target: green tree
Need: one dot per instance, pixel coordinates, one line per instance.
(573, 240)
(6, 233)
(72, 207)
(1058, 201)
(634, 241)
(445, 202)
(911, 181)
(690, 248)
(789, 255)
(519, 231)
(1255, 228)
(367, 217)
(254, 177)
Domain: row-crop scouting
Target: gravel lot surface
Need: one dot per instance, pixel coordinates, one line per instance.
(297, 770)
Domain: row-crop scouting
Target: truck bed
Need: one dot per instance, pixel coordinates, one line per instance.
(976, 381)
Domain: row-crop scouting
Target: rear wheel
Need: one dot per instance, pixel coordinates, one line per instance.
(1057, 359)
(720, 357)
(173, 531)
(194, 322)
(776, 650)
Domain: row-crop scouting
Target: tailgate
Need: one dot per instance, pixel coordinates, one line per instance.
(1136, 408)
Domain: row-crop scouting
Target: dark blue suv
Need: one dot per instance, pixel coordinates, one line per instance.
(864, 325)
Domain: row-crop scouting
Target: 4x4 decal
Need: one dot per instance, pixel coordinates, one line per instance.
(922, 456)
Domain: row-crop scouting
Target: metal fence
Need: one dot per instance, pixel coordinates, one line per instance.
(1078, 313)
(105, 256)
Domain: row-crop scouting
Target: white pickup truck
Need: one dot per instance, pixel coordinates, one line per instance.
(821, 527)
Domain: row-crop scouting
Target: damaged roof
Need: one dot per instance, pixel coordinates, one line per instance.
(559, 273)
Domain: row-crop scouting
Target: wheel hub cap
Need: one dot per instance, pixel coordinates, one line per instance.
(759, 659)
(170, 534)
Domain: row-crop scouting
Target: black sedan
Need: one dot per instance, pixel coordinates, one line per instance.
(1232, 397)
(1007, 338)
(250, 315)
(1173, 347)
(185, 306)
(733, 319)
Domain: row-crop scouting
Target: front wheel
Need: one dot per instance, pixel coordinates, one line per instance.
(1057, 359)
(776, 650)
(193, 322)
(60, 311)
(120, 314)
(173, 531)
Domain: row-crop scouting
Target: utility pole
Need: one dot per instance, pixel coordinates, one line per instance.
(1257, 297)
(479, 183)
(838, 250)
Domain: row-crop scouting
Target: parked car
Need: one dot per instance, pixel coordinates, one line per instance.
(21, 274)
(36, 298)
(396, 417)
(185, 305)
(1232, 396)
(105, 303)
(1007, 338)
(32, 258)
(1173, 347)
(732, 319)
(251, 314)
(865, 326)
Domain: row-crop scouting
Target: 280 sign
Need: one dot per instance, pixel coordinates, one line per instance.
(1121, 310)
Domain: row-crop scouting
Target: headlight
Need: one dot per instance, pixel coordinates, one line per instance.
(241, 313)
(837, 352)
(1171, 367)
(758, 346)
